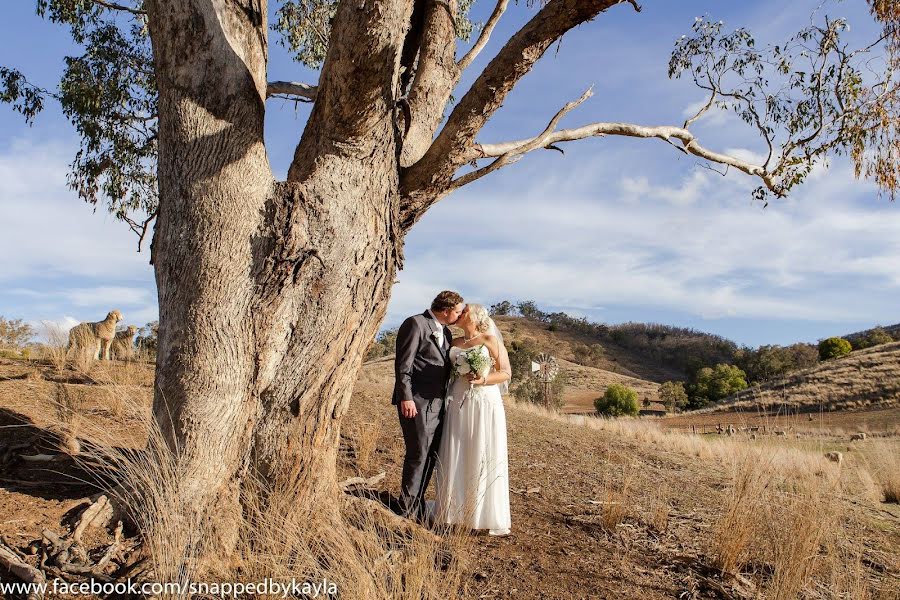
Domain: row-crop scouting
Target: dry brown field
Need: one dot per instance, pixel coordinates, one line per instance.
(601, 509)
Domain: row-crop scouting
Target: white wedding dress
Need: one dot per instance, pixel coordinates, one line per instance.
(472, 477)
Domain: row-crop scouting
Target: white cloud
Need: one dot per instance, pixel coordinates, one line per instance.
(688, 192)
(50, 231)
(746, 155)
(694, 243)
(107, 296)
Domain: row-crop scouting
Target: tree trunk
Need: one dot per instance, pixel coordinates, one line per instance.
(268, 292)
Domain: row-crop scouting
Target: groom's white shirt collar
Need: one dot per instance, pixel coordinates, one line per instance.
(440, 327)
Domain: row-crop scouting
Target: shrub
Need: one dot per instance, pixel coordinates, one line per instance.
(834, 347)
(673, 395)
(521, 353)
(618, 401)
(714, 384)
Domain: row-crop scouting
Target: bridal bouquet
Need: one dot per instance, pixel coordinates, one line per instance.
(471, 361)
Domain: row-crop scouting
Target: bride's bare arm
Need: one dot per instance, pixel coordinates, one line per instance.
(496, 376)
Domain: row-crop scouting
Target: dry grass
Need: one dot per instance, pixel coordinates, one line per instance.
(781, 517)
(55, 350)
(883, 462)
(357, 546)
(364, 437)
(617, 495)
(68, 418)
(782, 507)
(736, 528)
(657, 517)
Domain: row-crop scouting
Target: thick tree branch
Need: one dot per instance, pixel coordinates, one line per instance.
(435, 77)
(358, 86)
(485, 35)
(292, 89)
(424, 182)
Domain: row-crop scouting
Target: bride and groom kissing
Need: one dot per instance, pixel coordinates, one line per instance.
(448, 397)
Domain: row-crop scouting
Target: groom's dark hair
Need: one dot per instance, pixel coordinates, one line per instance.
(444, 300)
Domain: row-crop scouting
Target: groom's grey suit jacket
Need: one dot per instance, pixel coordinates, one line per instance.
(421, 367)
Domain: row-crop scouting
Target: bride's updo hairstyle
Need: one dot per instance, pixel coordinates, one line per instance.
(480, 316)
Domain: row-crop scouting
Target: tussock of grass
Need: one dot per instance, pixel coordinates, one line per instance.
(354, 545)
(883, 462)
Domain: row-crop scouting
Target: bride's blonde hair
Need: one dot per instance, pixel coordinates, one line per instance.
(480, 316)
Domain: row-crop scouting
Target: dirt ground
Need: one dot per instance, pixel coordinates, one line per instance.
(562, 476)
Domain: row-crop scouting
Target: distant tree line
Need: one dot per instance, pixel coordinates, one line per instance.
(713, 367)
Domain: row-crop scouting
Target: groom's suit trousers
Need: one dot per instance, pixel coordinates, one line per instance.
(422, 437)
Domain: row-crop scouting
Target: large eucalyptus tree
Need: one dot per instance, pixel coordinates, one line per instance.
(270, 291)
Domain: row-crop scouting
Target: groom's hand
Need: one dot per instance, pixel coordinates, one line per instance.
(408, 409)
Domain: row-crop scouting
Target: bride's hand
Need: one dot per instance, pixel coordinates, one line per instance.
(475, 379)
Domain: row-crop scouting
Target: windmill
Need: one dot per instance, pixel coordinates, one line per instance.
(545, 368)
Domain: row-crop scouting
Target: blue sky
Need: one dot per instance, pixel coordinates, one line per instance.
(614, 230)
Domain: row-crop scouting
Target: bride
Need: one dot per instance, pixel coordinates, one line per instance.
(472, 482)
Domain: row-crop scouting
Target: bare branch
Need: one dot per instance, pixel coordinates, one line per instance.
(139, 228)
(702, 111)
(292, 89)
(120, 7)
(425, 181)
(485, 35)
(688, 143)
(514, 152)
(510, 152)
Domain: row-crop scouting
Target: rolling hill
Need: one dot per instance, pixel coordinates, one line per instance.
(864, 379)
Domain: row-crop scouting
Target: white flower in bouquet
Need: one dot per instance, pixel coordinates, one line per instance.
(471, 361)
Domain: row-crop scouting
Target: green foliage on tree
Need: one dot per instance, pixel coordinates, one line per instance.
(108, 93)
(521, 353)
(673, 395)
(385, 344)
(304, 27)
(529, 310)
(873, 337)
(502, 308)
(14, 333)
(714, 384)
(617, 401)
(834, 347)
(771, 362)
(146, 338)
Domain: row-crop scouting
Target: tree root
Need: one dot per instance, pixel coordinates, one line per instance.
(15, 564)
(356, 484)
(98, 514)
(363, 512)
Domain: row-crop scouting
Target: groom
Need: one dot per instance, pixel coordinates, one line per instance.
(422, 370)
